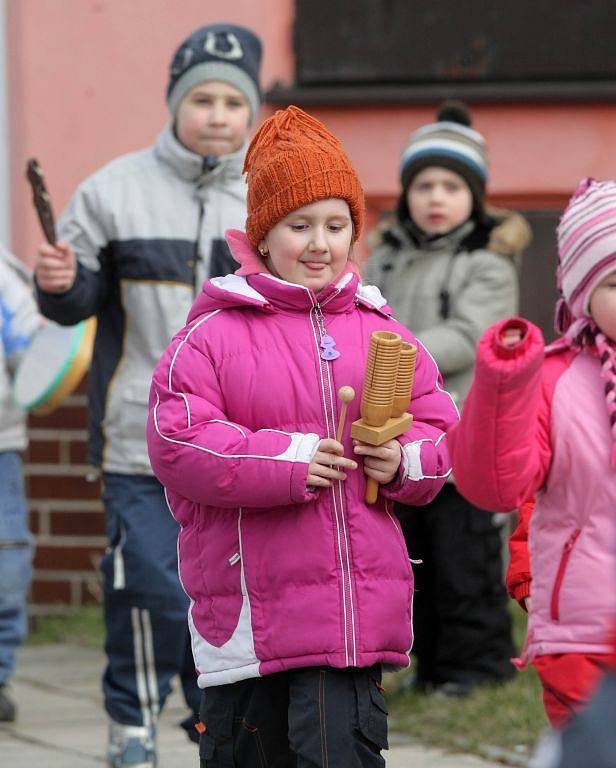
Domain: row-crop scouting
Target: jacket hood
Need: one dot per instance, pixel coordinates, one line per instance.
(254, 286)
(191, 166)
(508, 235)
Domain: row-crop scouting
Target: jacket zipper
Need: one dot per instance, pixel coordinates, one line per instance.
(336, 491)
(197, 254)
(560, 574)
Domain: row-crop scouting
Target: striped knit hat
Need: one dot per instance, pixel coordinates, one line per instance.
(586, 247)
(586, 255)
(448, 143)
(293, 161)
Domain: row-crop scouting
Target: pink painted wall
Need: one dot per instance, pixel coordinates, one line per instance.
(87, 81)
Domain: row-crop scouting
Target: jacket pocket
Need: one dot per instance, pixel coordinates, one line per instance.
(371, 706)
(560, 574)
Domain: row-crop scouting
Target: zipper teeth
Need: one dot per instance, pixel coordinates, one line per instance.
(197, 254)
(346, 542)
(323, 367)
(560, 574)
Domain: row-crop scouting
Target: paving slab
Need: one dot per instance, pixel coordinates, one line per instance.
(62, 723)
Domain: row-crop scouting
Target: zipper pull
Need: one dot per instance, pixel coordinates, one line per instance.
(571, 540)
(327, 342)
(328, 351)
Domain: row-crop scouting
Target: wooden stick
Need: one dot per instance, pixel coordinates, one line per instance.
(346, 395)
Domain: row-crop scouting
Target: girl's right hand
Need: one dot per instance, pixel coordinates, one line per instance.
(56, 268)
(328, 463)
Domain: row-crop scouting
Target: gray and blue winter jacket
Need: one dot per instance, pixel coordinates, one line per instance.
(147, 229)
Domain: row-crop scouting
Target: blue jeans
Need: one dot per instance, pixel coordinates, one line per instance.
(15, 561)
(147, 640)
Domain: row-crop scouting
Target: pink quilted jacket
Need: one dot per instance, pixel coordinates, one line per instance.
(536, 421)
(279, 575)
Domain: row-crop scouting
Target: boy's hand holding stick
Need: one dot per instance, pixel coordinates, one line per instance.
(56, 266)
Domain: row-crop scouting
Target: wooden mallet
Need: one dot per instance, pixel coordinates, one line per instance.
(346, 395)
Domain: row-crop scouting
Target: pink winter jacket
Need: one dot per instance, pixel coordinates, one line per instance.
(278, 575)
(535, 420)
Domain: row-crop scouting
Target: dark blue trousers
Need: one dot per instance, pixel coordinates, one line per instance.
(147, 640)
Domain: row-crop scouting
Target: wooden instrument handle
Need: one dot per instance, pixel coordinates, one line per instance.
(372, 490)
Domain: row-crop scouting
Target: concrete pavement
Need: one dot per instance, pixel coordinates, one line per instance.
(62, 723)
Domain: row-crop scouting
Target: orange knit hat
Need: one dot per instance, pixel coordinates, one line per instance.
(293, 161)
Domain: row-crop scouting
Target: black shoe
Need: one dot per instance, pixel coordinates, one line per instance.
(415, 684)
(453, 690)
(8, 712)
(189, 725)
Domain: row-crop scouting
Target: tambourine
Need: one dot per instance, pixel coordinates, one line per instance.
(53, 365)
(58, 356)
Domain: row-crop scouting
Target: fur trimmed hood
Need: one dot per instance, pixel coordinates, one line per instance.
(508, 235)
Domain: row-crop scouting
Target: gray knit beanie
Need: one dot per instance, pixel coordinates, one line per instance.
(225, 52)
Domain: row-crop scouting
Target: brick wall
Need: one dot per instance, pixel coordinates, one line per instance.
(66, 514)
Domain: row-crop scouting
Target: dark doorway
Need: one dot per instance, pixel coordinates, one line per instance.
(538, 292)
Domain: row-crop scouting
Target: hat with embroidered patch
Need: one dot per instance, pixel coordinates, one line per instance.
(225, 52)
(293, 161)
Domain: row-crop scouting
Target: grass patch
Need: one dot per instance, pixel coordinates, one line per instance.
(509, 717)
(83, 627)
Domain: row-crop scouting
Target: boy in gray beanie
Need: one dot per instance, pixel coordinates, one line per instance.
(136, 242)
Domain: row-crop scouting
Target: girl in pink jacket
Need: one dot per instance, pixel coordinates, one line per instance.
(536, 422)
(299, 591)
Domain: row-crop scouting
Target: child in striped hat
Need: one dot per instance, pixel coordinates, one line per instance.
(536, 422)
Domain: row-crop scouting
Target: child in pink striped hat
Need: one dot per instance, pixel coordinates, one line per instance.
(536, 422)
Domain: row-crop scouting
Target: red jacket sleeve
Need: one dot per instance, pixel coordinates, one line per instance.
(501, 448)
(518, 578)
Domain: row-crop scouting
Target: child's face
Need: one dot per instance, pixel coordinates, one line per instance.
(311, 245)
(213, 119)
(439, 200)
(603, 305)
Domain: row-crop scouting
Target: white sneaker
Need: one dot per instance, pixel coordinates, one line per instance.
(130, 745)
(548, 751)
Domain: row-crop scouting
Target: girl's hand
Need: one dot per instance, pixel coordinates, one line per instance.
(328, 463)
(380, 462)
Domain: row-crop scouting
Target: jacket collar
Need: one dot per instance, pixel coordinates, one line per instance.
(416, 239)
(254, 286)
(190, 166)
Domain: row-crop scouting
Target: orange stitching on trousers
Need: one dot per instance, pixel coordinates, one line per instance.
(322, 718)
(255, 732)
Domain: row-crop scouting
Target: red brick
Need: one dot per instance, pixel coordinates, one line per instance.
(61, 487)
(78, 452)
(71, 558)
(77, 523)
(68, 417)
(34, 521)
(43, 452)
(91, 594)
(51, 592)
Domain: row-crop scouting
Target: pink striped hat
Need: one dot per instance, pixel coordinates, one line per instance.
(586, 244)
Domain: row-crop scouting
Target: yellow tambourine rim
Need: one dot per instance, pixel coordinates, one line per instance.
(68, 379)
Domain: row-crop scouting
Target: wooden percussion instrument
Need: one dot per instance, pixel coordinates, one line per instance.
(386, 394)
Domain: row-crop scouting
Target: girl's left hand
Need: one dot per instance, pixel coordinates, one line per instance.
(380, 462)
